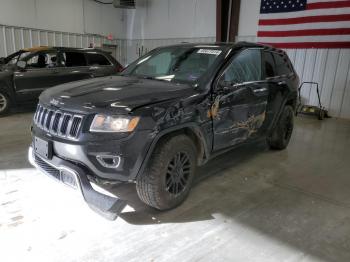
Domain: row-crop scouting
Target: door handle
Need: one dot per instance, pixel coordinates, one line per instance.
(260, 90)
(280, 83)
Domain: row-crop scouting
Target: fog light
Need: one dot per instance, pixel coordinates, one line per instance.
(109, 161)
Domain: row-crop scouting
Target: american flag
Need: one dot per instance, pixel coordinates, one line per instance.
(305, 23)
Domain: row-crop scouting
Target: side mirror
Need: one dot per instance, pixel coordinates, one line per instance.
(2, 60)
(225, 86)
(21, 65)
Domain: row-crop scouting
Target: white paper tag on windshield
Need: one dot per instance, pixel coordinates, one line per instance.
(209, 51)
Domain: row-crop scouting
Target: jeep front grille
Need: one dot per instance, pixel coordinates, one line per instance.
(58, 123)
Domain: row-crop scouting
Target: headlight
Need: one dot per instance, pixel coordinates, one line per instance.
(105, 123)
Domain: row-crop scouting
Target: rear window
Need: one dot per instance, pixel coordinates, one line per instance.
(71, 59)
(283, 66)
(97, 59)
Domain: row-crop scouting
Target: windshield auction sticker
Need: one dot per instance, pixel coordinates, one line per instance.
(209, 51)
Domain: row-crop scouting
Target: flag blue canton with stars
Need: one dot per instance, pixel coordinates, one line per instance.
(282, 6)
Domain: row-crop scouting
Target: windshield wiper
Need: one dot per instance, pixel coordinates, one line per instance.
(153, 78)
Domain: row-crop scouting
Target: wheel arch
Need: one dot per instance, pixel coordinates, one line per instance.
(289, 100)
(9, 92)
(191, 130)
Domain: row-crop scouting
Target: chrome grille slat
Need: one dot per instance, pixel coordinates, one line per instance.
(40, 115)
(48, 120)
(58, 123)
(52, 120)
(42, 119)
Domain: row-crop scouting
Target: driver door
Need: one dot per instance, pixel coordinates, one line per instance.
(39, 74)
(240, 102)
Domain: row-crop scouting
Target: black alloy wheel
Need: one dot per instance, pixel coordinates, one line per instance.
(178, 173)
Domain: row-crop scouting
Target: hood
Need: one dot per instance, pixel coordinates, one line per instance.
(116, 93)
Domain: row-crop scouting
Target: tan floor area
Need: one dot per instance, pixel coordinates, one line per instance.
(251, 204)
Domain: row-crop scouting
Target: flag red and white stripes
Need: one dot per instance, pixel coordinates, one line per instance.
(305, 23)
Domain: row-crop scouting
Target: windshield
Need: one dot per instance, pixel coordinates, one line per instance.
(174, 64)
(18, 57)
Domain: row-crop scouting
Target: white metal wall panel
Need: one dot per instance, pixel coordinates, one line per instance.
(15, 38)
(9, 40)
(26, 38)
(345, 107)
(3, 48)
(65, 40)
(329, 78)
(318, 75)
(339, 84)
(51, 39)
(35, 38)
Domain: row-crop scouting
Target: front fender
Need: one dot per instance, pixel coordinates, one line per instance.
(195, 129)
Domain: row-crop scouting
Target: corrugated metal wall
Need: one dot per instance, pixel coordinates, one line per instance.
(328, 67)
(15, 38)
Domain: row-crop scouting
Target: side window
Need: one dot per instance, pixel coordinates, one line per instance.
(71, 59)
(42, 60)
(269, 62)
(245, 67)
(97, 59)
(283, 66)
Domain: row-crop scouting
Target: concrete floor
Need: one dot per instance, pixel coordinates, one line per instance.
(250, 205)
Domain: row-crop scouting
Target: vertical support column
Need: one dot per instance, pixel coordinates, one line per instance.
(227, 19)
(235, 11)
(218, 20)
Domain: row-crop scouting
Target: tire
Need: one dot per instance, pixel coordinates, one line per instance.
(4, 103)
(164, 185)
(282, 133)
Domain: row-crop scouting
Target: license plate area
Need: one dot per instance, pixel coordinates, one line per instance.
(43, 148)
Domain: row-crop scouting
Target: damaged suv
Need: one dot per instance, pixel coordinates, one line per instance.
(165, 114)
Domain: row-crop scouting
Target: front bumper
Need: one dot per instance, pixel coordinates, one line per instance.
(130, 150)
(73, 176)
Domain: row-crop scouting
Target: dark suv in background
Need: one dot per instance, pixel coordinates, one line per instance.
(168, 112)
(26, 73)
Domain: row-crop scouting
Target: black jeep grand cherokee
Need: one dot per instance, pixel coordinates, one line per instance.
(168, 112)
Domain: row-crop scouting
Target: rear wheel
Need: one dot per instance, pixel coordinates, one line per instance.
(167, 180)
(282, 133)
(4, 103)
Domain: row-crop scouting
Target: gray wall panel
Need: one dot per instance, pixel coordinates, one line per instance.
(345, 107)
(35, 38)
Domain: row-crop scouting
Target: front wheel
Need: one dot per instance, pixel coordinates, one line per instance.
(279, 139)
(4, 103)
(168, 177)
